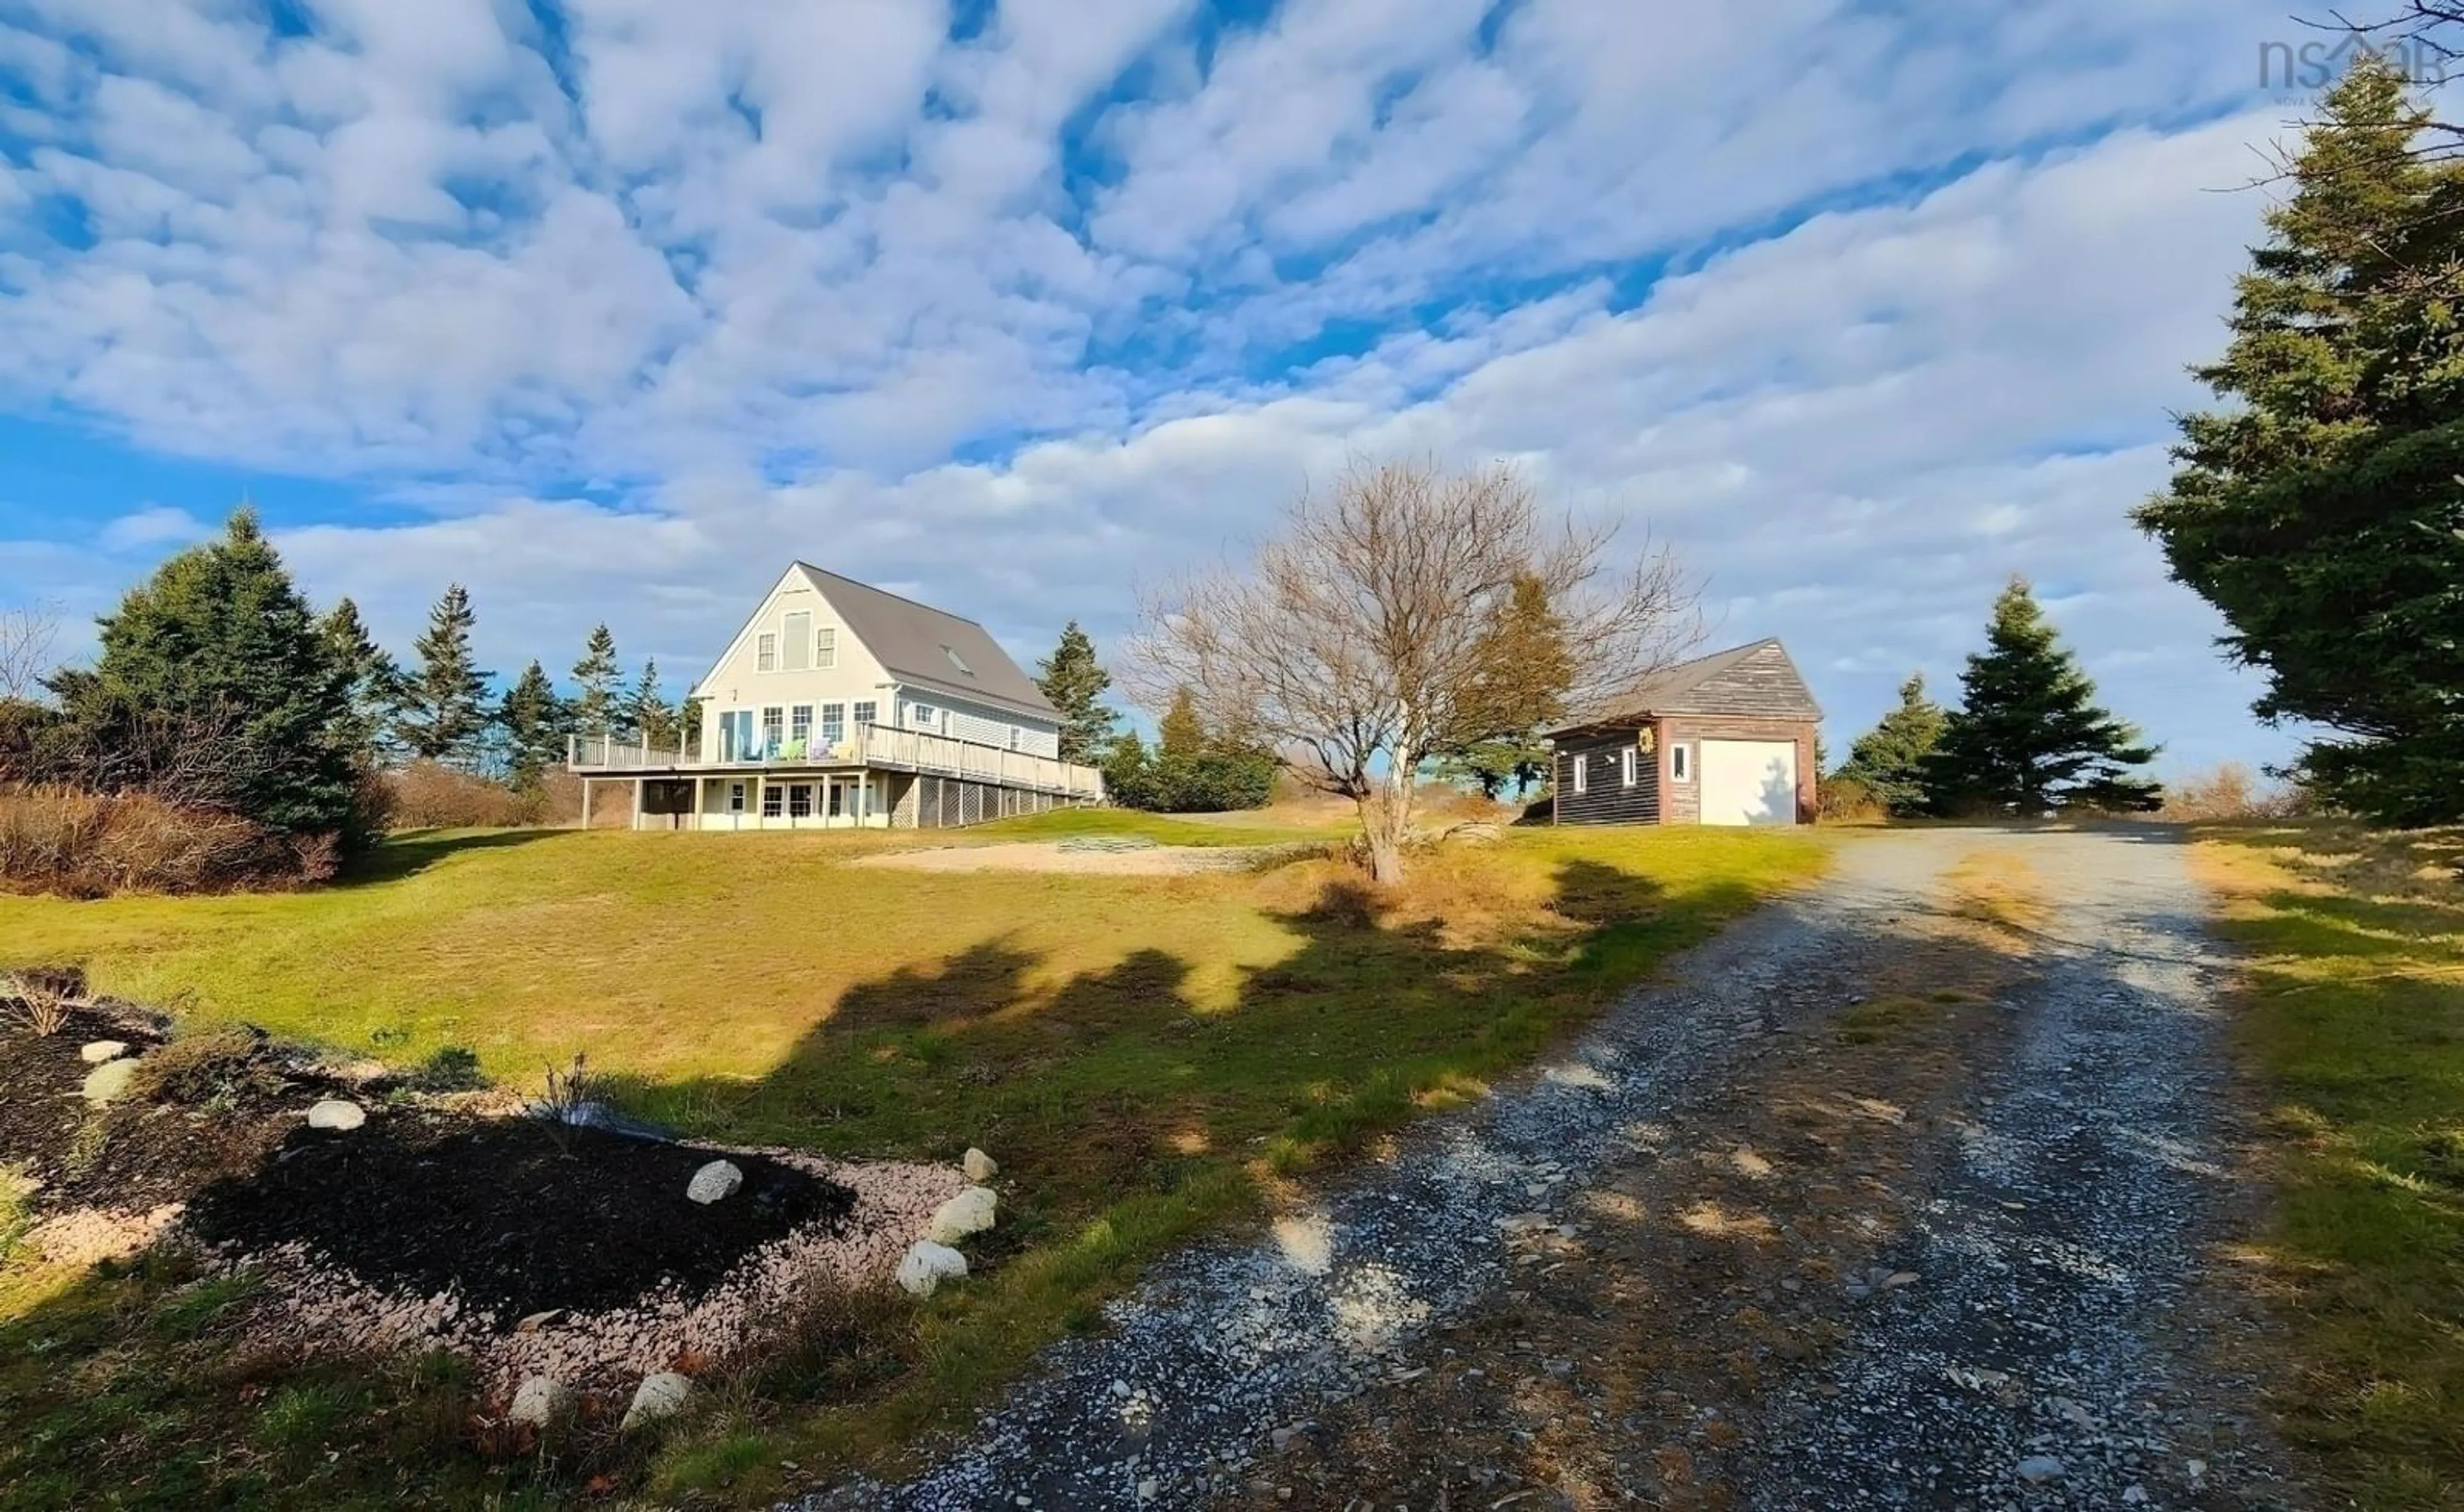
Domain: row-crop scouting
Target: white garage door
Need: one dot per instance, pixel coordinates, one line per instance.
(1749, 782)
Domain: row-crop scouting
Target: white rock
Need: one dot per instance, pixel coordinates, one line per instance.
(2037, 1469)
(659, 1395)
(926, 1264)
(970, 1212)
(979, 1167)
(542, 1401)
(714, 1182)
(101, 1050)
(107, 1082)
(337, 1114)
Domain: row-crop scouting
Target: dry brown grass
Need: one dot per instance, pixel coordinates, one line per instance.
(91, 845)
(2231, 791)
(37, 1005)
(1999, 891)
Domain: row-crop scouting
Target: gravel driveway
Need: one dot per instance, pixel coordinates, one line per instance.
(1725, 1253)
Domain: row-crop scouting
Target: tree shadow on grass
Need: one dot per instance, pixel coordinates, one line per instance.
(408, 853)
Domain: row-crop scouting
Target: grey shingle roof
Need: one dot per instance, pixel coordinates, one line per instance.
(918, 644)
(1756, 679)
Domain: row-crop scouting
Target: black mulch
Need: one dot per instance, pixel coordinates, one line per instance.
(505, 1218)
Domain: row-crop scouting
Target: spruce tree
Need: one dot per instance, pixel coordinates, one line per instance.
(1075, 683)
(373, 680)
(535, 720)
(2317, 509)
(645, 713)
(595, 710)
(2027, 736)
(1526, 693)
(1181, 735)
(445, 702)
(219, 638)
(1889, 759)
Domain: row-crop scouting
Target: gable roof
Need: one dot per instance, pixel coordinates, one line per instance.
(916, 643)
(1755, 679)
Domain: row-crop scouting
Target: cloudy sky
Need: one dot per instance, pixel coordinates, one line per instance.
(610, 308)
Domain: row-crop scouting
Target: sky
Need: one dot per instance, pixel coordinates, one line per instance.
(609, 309)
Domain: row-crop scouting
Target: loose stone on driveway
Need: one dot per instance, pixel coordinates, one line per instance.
(1736, 1249)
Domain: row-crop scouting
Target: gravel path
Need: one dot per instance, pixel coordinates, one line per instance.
(2044, 1359)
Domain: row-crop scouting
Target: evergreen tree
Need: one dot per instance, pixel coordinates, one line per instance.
(1889, 759)
(1129, 777)
(1075, 683)
(445, 703)
(373, 680)
(220, 637)
(1523, 694)
(2027, 736)
(2318, 509)
(535, 722)
(645, 713)
(1181, 735)
(595, 708)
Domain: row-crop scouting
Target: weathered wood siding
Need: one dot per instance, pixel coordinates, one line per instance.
(1606, 798)
(1686, 798)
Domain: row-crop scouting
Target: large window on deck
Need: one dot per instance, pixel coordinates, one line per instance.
(833, 724)
(773, 728)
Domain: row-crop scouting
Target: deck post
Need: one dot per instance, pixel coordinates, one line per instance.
(585, 802)
(639, 783)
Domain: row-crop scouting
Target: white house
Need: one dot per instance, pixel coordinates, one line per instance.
(839, 705)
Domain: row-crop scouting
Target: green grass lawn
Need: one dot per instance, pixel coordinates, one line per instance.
(2353, 1020)
(1147, 1057)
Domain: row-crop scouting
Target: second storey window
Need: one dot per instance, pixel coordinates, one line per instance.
(771, 727)
(833, 723)
(765, 654)
(797, 631)
(800, 723)
(923, 716)
(867, 713)
(826, 647)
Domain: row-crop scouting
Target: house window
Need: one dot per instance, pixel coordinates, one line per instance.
(773, 723)
(735, 798)
(867, 713)
(773, 797)
(1015, 734)
(826, 647)
(800, 723)
(799, 800)
(923, 716)
(1581, 784)
(1681, 763)
(833, 723)
(797, 630)
(765, 654)
(1625, 765)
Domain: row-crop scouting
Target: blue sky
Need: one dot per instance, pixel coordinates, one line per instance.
(608, 308)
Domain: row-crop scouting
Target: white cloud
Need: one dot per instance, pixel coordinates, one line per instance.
(813, 278)
(156, 525)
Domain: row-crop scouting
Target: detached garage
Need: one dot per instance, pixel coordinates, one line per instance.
(1724, 740)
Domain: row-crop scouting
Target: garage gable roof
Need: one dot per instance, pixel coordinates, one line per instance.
(1753, 681)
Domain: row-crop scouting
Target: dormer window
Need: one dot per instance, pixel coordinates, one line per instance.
(958, 662)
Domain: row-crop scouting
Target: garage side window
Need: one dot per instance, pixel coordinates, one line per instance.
(1625, 765)
(1681, 763)
(1581, 761)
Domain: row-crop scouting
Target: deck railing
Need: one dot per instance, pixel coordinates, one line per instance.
(867, 746)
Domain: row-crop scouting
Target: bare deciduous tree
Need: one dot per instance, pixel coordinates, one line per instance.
(27, 634)
(1373, 632)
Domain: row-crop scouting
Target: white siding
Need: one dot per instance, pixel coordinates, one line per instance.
(985, 724)
(738, 681)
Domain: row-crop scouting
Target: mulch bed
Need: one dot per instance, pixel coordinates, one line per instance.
(514, 1216)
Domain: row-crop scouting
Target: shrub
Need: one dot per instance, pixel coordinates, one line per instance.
(1848, 800)
(214, 1066)
(39, 1005)
(84, 845)
(430, 795)
(2231, 791)
(448, 1068)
